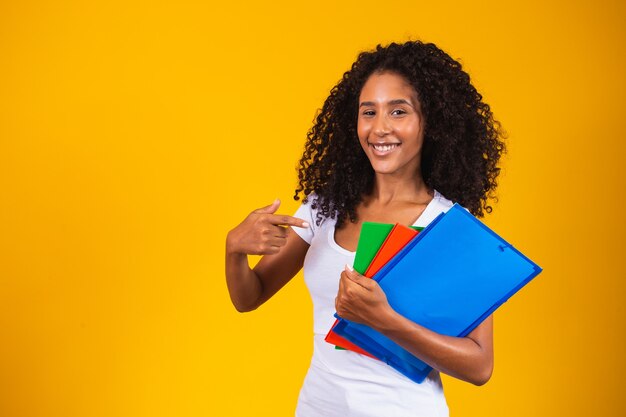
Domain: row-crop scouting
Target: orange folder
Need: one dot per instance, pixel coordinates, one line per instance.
(398, 237)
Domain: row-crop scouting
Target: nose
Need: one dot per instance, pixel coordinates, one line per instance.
(381, 126)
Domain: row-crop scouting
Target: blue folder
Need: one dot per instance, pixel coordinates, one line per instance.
(449, 278)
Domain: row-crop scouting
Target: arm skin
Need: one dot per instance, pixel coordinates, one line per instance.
(469, 358)
(262, 233)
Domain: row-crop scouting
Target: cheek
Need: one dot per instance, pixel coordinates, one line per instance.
(411, 131)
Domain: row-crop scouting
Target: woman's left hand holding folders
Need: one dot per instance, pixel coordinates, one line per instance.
(361, 300)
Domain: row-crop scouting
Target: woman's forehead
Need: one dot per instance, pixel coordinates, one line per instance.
(387, 86)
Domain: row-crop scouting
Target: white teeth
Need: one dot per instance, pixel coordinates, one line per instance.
(384, 148)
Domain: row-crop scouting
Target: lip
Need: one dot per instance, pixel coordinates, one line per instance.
(383, 153)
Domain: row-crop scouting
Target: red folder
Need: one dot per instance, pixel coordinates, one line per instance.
(396, 239)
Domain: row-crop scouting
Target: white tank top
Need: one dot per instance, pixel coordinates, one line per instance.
(340, 382)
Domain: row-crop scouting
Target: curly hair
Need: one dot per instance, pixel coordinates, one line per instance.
(462, 141)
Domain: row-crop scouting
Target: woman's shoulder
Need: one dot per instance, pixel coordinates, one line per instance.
(309, 211)
(442, 202)
(439, 204)
(310, 204)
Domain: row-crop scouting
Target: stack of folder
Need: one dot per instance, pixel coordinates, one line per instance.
(447, 277)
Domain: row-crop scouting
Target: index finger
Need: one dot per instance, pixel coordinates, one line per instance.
(284, 220)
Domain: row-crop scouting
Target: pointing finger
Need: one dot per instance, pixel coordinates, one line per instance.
(284, 220)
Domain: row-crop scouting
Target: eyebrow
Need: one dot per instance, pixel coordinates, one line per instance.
(391, 102)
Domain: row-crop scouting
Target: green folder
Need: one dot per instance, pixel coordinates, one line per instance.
(370, 240)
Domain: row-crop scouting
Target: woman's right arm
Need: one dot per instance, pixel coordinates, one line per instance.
(268, 234)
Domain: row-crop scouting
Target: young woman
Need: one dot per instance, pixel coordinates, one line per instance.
(402, 129)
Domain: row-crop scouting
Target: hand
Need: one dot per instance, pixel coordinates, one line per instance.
(262, 232)
(360, 299)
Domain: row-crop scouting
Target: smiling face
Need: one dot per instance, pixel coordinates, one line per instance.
(390, 124)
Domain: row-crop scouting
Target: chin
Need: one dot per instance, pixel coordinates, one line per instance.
(383, 169)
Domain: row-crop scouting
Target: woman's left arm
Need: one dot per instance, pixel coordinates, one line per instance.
(470, 358)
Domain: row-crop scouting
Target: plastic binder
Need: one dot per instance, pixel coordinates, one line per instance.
(449, 278)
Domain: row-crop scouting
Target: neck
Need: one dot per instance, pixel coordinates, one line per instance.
(389, 189)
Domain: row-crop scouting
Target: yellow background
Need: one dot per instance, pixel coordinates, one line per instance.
(134, 135)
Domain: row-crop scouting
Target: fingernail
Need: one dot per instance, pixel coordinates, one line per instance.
(305, 224)
(349, 268)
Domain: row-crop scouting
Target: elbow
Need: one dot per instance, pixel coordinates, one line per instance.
(241, 309)
(241, 304)
(483, 376)
(481, 381)
(244, 308)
